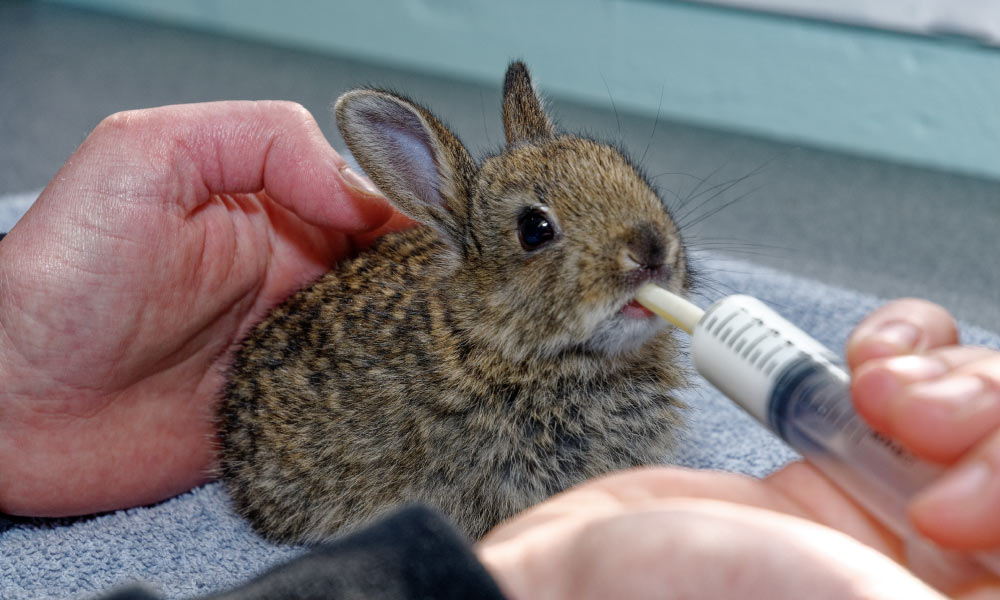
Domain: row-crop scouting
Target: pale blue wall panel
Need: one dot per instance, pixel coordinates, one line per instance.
(916, 100)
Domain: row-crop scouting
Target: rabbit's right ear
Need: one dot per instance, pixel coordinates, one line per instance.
(414, 159)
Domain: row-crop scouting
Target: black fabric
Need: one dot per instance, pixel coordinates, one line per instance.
(412, 554)
(2, 234)
(132, 592)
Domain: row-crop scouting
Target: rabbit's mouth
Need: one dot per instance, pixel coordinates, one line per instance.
(625, 329)
(634, 310)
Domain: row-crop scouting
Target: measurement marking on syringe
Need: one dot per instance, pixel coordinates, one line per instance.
(769, 355)
(738, 339)
(844, 419)
(756, 342)
(774, 363)
(722, 324)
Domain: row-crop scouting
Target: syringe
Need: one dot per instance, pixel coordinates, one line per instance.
(800, 390)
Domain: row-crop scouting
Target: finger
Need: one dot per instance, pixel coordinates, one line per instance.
(240, 147)
(937, 405)
(942, 419)
(960, 509)
(798, 489)
(750, 551)
(396, 222)
(904, 326)
(822, 501)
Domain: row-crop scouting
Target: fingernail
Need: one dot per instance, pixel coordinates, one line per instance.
(913, 368)
(900, 336)
(960, 394)
(963, 484)
(358, 181)
(880, 383)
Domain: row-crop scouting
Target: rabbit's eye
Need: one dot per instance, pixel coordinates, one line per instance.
(534, 229)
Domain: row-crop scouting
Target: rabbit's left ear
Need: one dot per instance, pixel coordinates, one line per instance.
(524, 117)
(411, 156)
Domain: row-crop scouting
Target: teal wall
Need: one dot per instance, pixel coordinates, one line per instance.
(916, 100)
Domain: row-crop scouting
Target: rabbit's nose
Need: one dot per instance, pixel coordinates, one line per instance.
(645, 249)
(638, 272)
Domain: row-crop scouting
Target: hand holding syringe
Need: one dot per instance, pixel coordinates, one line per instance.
(797, 388)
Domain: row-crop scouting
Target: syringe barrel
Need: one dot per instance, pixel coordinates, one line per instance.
(799, 389)
(811, 410)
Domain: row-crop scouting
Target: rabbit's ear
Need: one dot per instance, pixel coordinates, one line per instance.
(414, 159)
(524, 117)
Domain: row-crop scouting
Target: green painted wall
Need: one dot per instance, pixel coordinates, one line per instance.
(916, 100)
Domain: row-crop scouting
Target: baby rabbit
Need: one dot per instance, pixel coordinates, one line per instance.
(480, 362)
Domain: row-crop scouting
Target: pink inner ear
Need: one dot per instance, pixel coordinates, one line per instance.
(413, 160)
(407, 149)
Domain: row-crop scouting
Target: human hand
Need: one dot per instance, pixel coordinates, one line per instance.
(667, 531)
(942, 402)
(163, 239)
(674, 533)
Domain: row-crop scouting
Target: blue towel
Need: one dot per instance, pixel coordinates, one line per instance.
(194, 544)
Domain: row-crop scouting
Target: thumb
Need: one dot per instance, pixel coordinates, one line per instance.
(235, 147)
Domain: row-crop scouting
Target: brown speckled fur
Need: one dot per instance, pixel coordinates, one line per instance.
(449, 365)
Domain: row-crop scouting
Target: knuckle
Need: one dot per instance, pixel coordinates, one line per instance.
(928, 310)
(291, 111)
(124, 120)
(298, 120)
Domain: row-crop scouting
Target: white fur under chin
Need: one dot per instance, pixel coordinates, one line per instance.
(619, 334)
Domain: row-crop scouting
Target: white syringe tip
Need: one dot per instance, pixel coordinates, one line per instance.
(670, 306)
